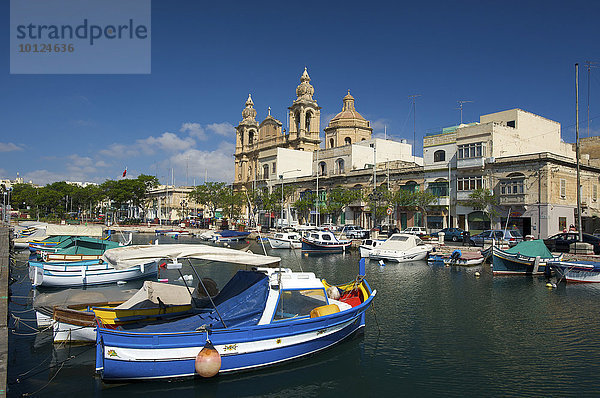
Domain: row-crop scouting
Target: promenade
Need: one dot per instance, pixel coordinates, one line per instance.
(4, 279)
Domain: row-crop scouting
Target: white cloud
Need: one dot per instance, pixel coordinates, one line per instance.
(225, 129)
(167, 142)
(9, 147)
(194, 130)
(217, 165)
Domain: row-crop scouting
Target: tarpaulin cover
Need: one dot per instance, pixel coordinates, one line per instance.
(129, 256)
(240, 303)
(531, 248)
(228, 233)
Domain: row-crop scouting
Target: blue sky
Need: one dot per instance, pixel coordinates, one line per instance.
(207, 57)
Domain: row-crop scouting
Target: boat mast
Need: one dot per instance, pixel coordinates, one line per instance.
(577, 152)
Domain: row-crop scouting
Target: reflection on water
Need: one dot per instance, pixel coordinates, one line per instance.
(434, 331)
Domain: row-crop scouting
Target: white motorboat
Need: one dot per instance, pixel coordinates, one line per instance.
(367, 245)
(285, 240)
(401, 248)
(323, 242)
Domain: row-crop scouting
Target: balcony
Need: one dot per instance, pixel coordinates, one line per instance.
(463, 195)
(470, 163)
(442, 201)
(513, 199)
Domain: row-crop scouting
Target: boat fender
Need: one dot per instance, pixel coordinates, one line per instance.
(551, 285)
(456, 254)
(477, 274)
(208, 360)
(381, 263)
(333, 292)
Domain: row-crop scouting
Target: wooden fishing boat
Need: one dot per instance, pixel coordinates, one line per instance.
(525, 258)
(85, 273)
(154, 301)
(576, 271)
(261, 317)
(457, 257)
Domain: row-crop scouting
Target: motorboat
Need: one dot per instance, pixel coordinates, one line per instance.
(525, 258)
(285, 240)
(367, 245)
(229, 235)
(261, 317)
(401, 248)
(324, 242)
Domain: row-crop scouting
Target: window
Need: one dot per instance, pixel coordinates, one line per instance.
(410, 186)
(297, 303)
(469, 183)
(562, 223)
(323, 169)
(274, 169)
(251, 137)
(266, 171)
(512, 187)
(307, 121)
(512, 123)
(339, 165)
(348, 141)
(331, 143)
(469, 151)
(594, 192)
(297, 121)
(563, 188)
(438, 188)
(439, 156)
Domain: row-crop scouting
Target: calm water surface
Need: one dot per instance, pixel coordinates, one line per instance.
(434, 331)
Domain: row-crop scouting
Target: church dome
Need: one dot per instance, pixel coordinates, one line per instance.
(348, 111)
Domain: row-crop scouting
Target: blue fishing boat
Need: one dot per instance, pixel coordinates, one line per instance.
(324, 242)
(525, 258)
(229, 235)
(261, 317)
(576, 271)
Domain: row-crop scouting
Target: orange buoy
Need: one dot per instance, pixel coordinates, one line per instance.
(208, 361)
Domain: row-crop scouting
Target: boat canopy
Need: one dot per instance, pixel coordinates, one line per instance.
(129, 256)
(531, 248)
(400, 242)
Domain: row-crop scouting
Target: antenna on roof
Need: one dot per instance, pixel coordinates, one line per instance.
(460, 106)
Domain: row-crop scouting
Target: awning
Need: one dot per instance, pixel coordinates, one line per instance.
(129, 256)
(477, 216)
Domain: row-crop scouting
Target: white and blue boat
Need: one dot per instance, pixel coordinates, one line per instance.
(261, 317)
(576, 271)
(324, 242)
(85, 273)
(229, 235)
(525, 258)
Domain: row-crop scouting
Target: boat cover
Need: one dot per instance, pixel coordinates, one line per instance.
(150, 292)
(228, 233)
(240, 303)
(129, 256)
(531, 248)
(45, 302)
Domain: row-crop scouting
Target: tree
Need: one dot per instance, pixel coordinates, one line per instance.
(210, 195)
(485, 200)
(379, 200)
(338, 199)
(305, 204)
(422, 200)
(233, 202)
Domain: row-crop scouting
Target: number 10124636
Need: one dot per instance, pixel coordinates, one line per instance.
(46, 48)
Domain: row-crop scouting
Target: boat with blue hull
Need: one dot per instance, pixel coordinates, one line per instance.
(576, 271)
(260, 318)
(525, 258)
(324, 242)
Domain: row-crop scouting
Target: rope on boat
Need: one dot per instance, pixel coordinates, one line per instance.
(20, 321)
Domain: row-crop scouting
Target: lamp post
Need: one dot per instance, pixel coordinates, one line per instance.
(183, 205)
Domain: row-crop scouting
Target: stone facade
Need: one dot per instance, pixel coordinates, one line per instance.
(347, 127)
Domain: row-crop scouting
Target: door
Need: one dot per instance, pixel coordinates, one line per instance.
(403, 221)
(461, 221)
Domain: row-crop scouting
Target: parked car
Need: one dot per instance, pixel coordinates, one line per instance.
(453, 234)
(561, 242)
(419, 231)
(355, 232)
(512, 236)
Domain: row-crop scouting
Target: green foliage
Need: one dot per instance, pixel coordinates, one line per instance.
(337, 200)
(210, 194)
(305, 204)
(484, 199)
(379, 201)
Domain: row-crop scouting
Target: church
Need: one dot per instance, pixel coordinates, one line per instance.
(256, 142)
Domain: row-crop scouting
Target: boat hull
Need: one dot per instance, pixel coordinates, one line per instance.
(122, 355)
(50, 275)
(574, 272)
(284, 244)
(466, 262)
(400, 257)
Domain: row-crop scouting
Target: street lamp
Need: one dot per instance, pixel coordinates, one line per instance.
(183, 205)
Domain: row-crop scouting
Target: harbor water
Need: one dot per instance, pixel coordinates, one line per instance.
(433, 331)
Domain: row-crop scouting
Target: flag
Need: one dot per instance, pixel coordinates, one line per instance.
(125, 172)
